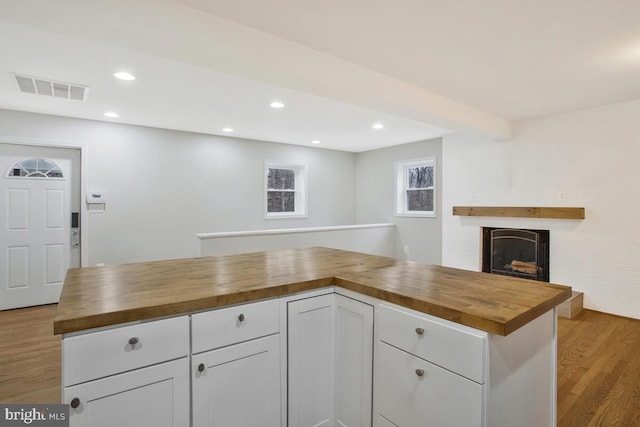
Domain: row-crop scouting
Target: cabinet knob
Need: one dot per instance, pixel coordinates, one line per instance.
(133, 341)
(420, 331)
(75, 402)
(420, 372)
(201, 367)
(241, 317)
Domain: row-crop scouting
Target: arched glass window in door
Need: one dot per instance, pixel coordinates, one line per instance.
(35, 167)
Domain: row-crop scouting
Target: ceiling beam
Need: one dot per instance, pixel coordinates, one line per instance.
(177, 32)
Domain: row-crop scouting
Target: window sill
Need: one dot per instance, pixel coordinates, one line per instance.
(286, 216)
(416, 215)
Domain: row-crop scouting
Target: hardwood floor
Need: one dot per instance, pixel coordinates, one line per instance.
(30, 356)
(598, 365)
(598, 370)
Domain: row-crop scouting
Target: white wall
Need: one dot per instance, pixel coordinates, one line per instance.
(375, 190)
(376, 239)
(584, 158)
(165, 186)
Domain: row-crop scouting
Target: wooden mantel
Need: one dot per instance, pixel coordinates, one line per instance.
(520, 212)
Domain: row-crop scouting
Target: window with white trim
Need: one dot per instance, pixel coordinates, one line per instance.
(285, 190)
(416, 187)
(35, 167)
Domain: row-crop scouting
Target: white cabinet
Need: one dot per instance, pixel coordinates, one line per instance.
(156, 396)
(238, 385)
(231, 325)
(354, 360)
(429, 371)
(135, 375)
(455, 347)
(311, 361)
(330, 339)
(412, 392)
(236, 366)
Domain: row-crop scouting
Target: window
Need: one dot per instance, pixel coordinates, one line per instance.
(285, 190)
(35, 168)
(415, 187)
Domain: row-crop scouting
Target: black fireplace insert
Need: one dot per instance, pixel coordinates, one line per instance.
(516, 252)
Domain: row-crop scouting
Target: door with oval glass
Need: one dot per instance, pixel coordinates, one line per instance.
(37, 198)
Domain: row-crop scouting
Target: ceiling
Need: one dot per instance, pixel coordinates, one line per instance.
(423, 68)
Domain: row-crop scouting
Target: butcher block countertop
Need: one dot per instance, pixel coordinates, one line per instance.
(108, 295)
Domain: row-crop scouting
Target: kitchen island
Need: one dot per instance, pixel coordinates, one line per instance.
(490, 334)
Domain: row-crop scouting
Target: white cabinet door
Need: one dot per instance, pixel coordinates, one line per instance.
(330, 352)
(156, 396)
(311, 341)
(410, 391)
(238, 385)
(354, 360)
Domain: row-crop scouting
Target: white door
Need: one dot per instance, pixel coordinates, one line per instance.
(35, 224)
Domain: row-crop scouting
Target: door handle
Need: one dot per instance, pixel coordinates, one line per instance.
(75, 229)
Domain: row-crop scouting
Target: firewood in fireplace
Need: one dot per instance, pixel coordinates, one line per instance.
(523, 267)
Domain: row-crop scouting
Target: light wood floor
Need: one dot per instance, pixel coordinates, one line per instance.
(598, 370)
(30, 356)
(598, 365)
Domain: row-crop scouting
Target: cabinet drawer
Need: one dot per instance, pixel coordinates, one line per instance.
(455, 347)
(410, 391)
(99, 354)
(226, 326)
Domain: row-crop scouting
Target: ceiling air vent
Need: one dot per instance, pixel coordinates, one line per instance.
(46, 87)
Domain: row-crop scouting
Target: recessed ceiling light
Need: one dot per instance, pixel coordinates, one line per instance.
(378, 126)
(227, 130)
(276, 104)
(315, 141)
(112, 114)
(123, 75)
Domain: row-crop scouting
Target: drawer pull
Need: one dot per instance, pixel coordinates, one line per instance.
(420, 372)
(420, 331)
(75, 402)
(201, 367)
(241, 317)
(133, 341)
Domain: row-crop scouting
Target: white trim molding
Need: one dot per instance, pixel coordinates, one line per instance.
(224, 234)
(377, 239)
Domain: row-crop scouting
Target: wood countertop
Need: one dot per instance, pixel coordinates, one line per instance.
(103, 296)
(489, 302)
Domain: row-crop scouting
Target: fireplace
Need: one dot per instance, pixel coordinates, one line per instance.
(516, 252)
